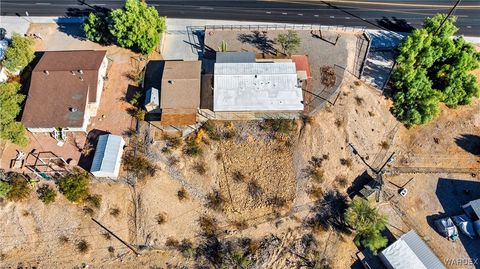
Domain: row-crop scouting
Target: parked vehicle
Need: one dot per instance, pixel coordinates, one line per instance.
(447, 228)
(465, 224)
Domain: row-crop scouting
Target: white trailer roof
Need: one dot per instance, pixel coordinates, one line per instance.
(108, 155)
(256, 87)
(409, 251)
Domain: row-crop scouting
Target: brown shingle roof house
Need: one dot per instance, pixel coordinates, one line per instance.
(65, 90)
(179, 92)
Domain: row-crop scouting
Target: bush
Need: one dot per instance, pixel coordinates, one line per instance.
(83, 246)
(341, 181)
(139, 114)
(182, 194)
(186, 248)
(139, 165)
(115, 212)
(47, 194)
(172, 243)
(384, 145)
(94, 200)
(347, 162)
(74, 186)
(20, 189)
(238, 176)
(208, 225)
(282, 126)
(315, 192)
(215, 200)
(199, 167)
(328, 77)
(192, 148)
(173, 142)
(254, 189)
(161, 218)
(63, 239)
(5, 188)
(289, 41)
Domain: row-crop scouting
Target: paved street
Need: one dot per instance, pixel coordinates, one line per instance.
(393, 15)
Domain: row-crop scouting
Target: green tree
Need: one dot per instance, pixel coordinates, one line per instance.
(367, 222)
(96, 28)
(47, 194)
(289, 41)
(433, 67)
(74, 186)
(137, 26)
(10, 101)
(19, 54)
(20, 189)
(5, 188)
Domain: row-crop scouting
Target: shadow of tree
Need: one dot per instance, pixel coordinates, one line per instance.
(328, 212)
(469, 142)
(395, 24)
(259, 40)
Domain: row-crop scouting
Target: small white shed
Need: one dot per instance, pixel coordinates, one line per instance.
(152, 100)
(108, 156)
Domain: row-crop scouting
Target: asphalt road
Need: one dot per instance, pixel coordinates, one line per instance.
(397, 15)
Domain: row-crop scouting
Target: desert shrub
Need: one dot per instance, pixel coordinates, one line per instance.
(172, 160)
(341, 181)
(74, 186)
(229, 134)
(111, 249)
(83, 246)
(172, 243)
(200, 168)
(359, 100)
(338, 123)
(212, 131)
(161, 218)
(20, 189)
(63, 239)
(5, 188)
(107, 236)
(254, 189)
(139, 165)
(240, 225)
(218, 156)
(281, 126)
(192, 148)
(115, 212)
(139, 114)
(277, 202)
(88, 210)
(315, 192)
(328, 77)
(173, 142)
(215, 200)
(347, 162)
(237, 176)
(186, 248)
(384, 145)
(95, 200)
(317, 174)
(47, 194)
(182, 194)
(208, 225)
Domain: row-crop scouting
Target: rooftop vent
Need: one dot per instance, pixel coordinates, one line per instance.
(80, 71)
(170, 82)
(46, 72)
(73, 72)
(73, 109)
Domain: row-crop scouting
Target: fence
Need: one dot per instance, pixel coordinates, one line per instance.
(258, 27)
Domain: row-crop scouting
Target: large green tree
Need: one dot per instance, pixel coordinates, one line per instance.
(367, 222)
(10, 101)
(289, 41)
(74, 186)
(433, 67)
(19, 54)
(96, 28)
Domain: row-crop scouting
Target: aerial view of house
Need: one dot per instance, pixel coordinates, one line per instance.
(240, 134)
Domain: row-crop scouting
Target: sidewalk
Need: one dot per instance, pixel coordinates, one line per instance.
(21, 24)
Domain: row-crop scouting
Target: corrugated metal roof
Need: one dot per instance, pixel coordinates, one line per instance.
(475, 206)
(409, 251)
(235, 57)
(256, 87)
(108, 154)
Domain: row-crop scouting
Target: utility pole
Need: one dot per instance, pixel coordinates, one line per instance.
(448, 15)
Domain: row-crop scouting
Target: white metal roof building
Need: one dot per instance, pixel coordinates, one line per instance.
(258, 86)
(408, 252)
(108, 156)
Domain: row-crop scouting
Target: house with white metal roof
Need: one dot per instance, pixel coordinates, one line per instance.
(108, 156)
(256, 90)
(408, 252)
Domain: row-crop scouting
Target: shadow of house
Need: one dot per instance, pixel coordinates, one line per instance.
(469, 142)
(86, 160)
(452, 195)
(395, 24)
(259, 40)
